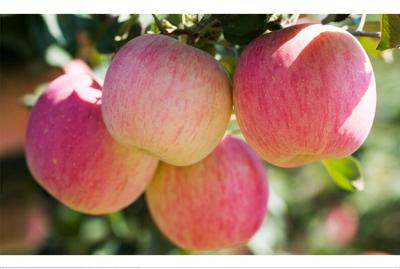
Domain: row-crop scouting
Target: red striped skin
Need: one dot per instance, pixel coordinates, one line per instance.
(71, 154)
(217, 203)
(167, 98)
(304, 93)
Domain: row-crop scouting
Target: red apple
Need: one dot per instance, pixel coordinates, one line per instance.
(304, 93)
(217, 203)
(167, 98)
(71, 154)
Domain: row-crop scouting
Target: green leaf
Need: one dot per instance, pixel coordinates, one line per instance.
(240, 29)
(127, 25)
(233, 124)
(346, 173)
(23, 37)
(106, 44)
(30, 99)
(117, 34)
(369, 44)
(71, 26)
(119, 225)
(390, 32)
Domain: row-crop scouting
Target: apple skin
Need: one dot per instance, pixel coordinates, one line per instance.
(304, 93)
(217, 203)
(166, 98)
(71, 154)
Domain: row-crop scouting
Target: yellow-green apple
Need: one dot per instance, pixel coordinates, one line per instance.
(304, 93)
(166, 98)
(216, 203)
(71, 154)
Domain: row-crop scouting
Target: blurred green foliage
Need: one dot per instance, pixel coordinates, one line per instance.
(301, 198)
(390, 31)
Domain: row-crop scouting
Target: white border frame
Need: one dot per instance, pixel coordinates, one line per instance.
(203, 6)
(199, 261)
(200, 6)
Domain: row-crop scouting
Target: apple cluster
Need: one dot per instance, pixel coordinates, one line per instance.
(158, 125)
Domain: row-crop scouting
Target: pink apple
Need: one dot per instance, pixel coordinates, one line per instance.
(71, 154)
(77, 66)
(166, 98)
(217, 203)
(341, 224)
(304, 93)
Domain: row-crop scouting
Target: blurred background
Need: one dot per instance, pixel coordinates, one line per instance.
(308, 213)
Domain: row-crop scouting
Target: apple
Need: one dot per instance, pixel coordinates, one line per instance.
(71, 154)
(304, 93)
(166, 98)
(219, 202)
(341, 224)
(77, 66)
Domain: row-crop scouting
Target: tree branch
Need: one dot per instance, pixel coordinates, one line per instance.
(368, 34)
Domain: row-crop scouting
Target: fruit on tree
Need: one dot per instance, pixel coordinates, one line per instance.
(216, 203)
(77, 66)
(71, 154)
(304, 93)
(166, 98)
(341, 224)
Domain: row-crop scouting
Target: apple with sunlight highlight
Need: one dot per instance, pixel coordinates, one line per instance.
(77, 66)
(304, 93)
(166, 98)
(217, 203)
(71, 154)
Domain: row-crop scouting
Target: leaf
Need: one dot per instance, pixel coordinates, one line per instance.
(240, 29)
(73, 26)
(30, 99)
(106, 44)
(117, 34)
(233, 124)
(334, 18)
(346, 173)
(23, 37)
(56, 56)
(119, 225)
(390, 32)
(39, 34)
(369, 44)
(127, 25)
(229, 63)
